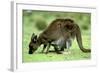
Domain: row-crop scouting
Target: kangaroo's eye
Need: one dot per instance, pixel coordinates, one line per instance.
(34, 40)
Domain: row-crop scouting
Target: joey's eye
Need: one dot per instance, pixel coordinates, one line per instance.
(70, 27)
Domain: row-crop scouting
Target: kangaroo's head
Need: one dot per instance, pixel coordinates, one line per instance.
(33, 45)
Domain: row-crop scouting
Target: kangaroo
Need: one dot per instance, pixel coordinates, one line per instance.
(58, 33)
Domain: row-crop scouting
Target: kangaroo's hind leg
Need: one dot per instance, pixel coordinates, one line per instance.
(57, 49)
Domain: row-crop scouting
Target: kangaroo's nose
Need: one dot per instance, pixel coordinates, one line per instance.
(30, 52)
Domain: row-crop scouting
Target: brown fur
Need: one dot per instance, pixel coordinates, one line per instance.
(65, 28)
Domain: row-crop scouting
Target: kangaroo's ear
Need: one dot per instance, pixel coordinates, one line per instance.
(34, 40)
(32, 37)
(35, 37)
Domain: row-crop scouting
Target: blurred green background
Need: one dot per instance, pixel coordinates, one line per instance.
(37, 21)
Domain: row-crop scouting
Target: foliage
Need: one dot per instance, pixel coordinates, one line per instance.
(40, 23)
(37, 21)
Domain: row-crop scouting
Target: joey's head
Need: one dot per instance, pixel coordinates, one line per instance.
(33, 45)
(69, 25)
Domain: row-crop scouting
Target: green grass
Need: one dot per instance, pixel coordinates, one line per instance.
(76, 54)
(29, 26)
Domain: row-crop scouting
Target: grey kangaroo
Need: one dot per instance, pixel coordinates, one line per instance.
(59, 34)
